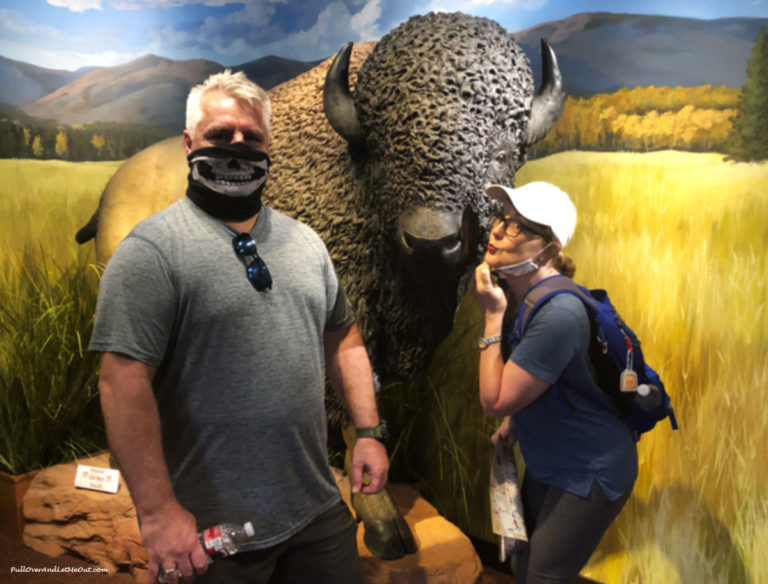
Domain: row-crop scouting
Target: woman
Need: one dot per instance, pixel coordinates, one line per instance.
(581, 459)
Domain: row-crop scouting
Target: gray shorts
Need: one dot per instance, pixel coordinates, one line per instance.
(324, 552)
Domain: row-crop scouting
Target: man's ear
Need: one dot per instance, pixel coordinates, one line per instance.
(187, 143)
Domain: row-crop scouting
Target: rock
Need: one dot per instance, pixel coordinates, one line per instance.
(99, 527)
(102, 528)
(445, 555)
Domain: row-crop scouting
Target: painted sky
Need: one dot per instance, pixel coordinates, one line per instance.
(69, 34)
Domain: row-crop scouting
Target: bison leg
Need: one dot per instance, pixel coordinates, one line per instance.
(387, 535)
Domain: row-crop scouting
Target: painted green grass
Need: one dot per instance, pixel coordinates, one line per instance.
(679, 240)
(49, 408)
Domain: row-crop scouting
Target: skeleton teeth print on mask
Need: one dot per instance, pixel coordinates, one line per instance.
(227, 173)
(227, 181)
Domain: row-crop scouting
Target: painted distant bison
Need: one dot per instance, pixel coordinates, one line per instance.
(391, 175)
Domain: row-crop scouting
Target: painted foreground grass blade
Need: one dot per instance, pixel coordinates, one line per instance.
(49, 407)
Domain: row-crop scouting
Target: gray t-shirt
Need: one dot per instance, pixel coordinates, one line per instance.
(240, 374)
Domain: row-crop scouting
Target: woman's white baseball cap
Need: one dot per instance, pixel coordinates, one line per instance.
(540, 202)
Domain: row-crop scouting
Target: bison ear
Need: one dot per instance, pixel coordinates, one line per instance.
(549, 99)
(338, 103)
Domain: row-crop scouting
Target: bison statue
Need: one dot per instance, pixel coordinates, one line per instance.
(390, 174)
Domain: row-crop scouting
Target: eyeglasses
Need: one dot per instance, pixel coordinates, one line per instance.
(257, 271)
(513, 227)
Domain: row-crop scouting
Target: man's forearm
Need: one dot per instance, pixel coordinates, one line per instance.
(134, 431)
(349, 371)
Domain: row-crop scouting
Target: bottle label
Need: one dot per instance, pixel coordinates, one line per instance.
(212, 542)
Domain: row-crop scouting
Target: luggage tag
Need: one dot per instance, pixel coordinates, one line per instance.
(628, 380)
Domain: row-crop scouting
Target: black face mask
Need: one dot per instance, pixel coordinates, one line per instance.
(227, 181)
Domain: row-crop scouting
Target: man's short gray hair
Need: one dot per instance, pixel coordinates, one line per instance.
(235, 84)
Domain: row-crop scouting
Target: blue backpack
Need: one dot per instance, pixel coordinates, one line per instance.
(613, 348)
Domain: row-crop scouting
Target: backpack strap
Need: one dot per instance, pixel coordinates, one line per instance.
(534, 299)
(543, 291)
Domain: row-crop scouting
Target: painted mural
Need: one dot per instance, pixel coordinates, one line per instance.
(662, 144)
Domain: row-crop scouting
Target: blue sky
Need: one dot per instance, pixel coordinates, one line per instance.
(68, 34)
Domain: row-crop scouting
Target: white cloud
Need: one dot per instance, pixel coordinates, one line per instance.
(13, 24)
(77, 5)
(256, 15)
(470, 6)
(335, 26)
(247, 33)
(55, 48)
(230, 37)
(365, 22)
(83, 5)
(63, 59)
(144, 4)
(250, 33)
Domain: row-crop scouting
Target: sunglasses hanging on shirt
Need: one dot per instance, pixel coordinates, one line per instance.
(256, 269)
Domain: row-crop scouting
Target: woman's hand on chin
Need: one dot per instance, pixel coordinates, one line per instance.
(489, 296)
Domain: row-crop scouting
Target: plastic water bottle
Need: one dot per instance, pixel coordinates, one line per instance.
(225, 539)
(648, 397)
(220, 541)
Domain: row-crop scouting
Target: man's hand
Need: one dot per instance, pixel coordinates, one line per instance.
(369, 456)
(173, 548)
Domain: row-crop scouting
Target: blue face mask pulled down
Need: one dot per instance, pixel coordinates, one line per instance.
(521, 268)
(227, 181)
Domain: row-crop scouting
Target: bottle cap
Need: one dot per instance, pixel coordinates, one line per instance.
(248, 526)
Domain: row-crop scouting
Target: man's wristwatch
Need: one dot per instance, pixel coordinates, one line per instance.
(377, 432)
(484, 342)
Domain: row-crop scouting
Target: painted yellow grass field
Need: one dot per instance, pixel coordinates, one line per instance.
(44, 202)
(679, 240)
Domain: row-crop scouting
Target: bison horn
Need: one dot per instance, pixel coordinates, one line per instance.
(549, 99)
(338, 103)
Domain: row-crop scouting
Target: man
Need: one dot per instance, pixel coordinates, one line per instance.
(217, 320)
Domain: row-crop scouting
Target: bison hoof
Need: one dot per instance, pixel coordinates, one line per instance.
(389, 539)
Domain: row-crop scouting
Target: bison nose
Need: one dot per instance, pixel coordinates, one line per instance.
(432, 239)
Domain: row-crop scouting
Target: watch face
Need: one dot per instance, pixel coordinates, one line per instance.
(482, 343)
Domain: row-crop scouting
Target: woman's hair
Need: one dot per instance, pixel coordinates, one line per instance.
(235, 84)
(564, 264)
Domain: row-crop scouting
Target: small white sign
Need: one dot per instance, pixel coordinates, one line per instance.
(95, 478)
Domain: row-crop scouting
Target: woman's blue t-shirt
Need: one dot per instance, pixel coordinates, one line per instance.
(569, 439)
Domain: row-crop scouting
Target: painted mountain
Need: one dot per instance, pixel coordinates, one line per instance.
(22, 83)
(151, 90)
(598, 52)
(148, 90)
(603, 52)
